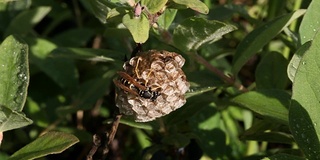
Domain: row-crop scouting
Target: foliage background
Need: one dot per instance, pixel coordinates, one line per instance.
(248, 92)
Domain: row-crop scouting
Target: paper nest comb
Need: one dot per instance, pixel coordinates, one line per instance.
(152, 85)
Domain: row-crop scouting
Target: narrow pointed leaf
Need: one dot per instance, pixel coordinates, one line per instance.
(100, 55)
(129, 121)
(259, 37)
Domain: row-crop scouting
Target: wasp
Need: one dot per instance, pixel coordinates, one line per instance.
(148, 94)
(129, 84)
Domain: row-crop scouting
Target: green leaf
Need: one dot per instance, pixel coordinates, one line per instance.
(99, 55)
(264, 130)
(271, 104)
(10, 119)
(129, 121)
(25, 21)
(195, 32)
(49, 143)
(90, 91)
(259, 37)
(154, 6)
(198, 91)
(138, 27)
(192, 107)
(14, 73)
(14, 81)
(14, 5)
(166, 18)
(310, 23)
(142, 138)
(99, 9)
(283, 156)
(295, 60)
(206, 124)
(305, 108)
(61, 70)
(194, 4)
(273, 137)
(74, 37)
(88, 94)
(115, 12)
(271, 72)
(303, 126)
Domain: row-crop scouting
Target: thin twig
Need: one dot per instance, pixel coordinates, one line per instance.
(110, 135)
(96, 145)
(228, 80)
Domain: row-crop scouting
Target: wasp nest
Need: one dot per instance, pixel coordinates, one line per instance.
(152, 85)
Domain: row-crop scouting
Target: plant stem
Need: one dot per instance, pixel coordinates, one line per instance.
(110, 135)
(226, 79)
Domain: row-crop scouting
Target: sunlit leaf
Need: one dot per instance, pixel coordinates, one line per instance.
(10, 119)
(114, 12)
(310, 23)
(305, 106)
(49, 143)
(167, 17)
(14, 73)
(138, 27)
(295, 60)
(194, 4)
(153, 6)
(14, 81)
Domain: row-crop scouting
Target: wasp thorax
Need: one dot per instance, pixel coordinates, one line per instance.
(151, 85)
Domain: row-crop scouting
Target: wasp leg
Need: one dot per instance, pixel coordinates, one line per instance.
(136, 70)
(147, 80)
